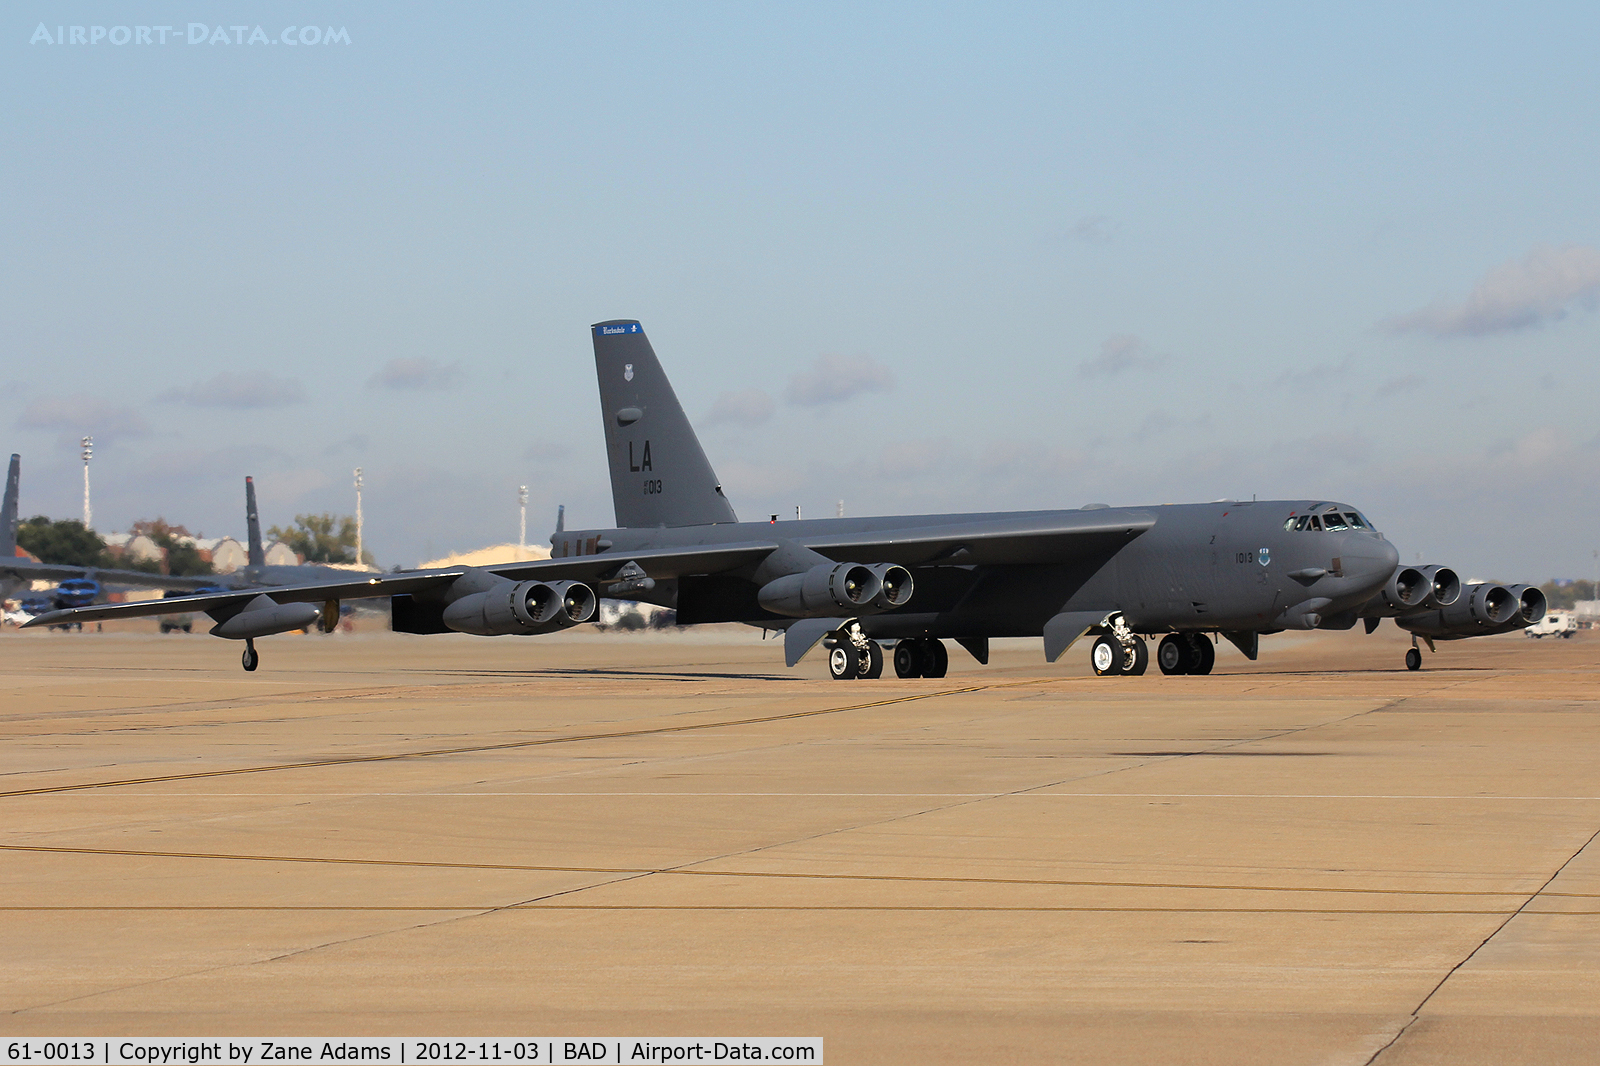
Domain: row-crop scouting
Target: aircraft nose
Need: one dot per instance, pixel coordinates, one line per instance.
(1370, 562)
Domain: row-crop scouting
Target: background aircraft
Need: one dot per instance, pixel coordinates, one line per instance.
(17, 573)
(1183, 573)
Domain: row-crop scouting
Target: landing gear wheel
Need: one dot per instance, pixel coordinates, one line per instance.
(1136, 663)
(935, 660)
(873, 663)
(1171, 656)
(844, 662)
(907, 659)
(251, 659)
(1413, 659)
(1106, 657)
(1205, 655)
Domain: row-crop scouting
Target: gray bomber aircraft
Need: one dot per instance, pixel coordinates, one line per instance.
(16, 571)
(1181, 573)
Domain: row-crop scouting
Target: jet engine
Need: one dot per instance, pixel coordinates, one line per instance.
(1482, 609)
(894, 586)
(1480, 606)
(1415, 588)
(1444, 587)
(1406, 590)
(521, 608)
(1531, 605)
(835, 589)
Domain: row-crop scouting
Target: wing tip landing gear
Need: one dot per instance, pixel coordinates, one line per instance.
(1414, 654)
(251, 658)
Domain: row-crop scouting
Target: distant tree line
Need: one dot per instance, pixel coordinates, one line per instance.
(1563, 596)
(322, 538)
(316, 538)
(66, 542)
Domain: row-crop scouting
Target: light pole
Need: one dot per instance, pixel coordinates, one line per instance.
(88, 453)
(358, 516)
(522, 503)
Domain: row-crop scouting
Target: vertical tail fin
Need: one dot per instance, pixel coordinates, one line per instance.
(8, 510)
(659, 472)
(258, 555)
(561, 518)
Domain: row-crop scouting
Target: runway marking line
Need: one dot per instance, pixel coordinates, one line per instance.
(774, 874)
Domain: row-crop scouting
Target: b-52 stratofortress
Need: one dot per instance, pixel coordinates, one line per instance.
(1181, 574)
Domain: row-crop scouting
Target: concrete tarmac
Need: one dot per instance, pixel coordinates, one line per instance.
(1318, 858)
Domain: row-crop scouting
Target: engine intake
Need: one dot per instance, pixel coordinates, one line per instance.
(1444, 586)
(894, 586)
(1531, 604)
(1406, 590)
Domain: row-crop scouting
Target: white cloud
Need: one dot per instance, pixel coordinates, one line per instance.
(1539, 288)
(1096, 229)
(745, 407)
(79, 416)
(545, 449)
(835, 378)
(422, 375)
(239, 391)
(1120, 353)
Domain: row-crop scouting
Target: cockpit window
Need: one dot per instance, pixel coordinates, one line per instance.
(1332, 521)
(1288, 523)
(1300, 523)
(1355, 520)
(1314, 525)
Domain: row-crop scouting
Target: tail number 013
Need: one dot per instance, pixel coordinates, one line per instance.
(652, 488)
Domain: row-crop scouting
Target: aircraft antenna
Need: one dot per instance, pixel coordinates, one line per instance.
(358, 516)
(88, 511)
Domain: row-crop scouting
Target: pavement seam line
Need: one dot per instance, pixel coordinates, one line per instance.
(515, 744)
(773, 874)
(1416, 1012)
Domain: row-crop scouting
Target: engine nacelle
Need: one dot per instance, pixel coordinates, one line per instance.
(1481, 606)
(826, 590)
(894, 586)
(264, 616)
(510, 608)
(1531, 605)
(1444, 586)
(1406, 590)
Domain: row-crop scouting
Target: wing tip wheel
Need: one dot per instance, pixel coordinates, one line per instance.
(251, 658)
(1413, 659)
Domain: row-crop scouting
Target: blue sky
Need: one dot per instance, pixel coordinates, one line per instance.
(918, 258)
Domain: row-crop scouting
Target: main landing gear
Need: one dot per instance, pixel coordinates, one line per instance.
(251, 658)
(920, 657)
(1185, 653)
(854, 656)
(1120, 651)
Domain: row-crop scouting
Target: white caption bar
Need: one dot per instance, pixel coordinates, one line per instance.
(408, 1051)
